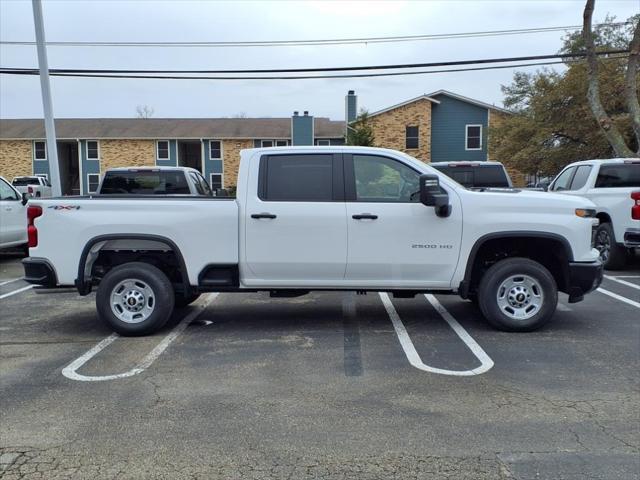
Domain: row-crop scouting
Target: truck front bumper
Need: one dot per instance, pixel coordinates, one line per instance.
(632, 238)
(583, 278)
(39, 272)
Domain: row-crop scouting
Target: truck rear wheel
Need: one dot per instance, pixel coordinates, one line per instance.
(517, 295)
(135, 299)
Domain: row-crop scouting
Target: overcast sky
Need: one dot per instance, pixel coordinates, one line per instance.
(149, 20)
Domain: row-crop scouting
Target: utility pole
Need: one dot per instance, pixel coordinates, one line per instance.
(49, 125)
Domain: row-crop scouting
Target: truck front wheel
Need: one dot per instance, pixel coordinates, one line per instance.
(612, 255)
(135, 299)
(517, 295)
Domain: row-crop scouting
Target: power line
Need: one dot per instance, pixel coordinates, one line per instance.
(318, 42)
(80, 74)
(328, 69)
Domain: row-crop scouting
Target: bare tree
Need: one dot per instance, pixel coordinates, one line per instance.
(144, 111)
(608, 127)
(239, 115)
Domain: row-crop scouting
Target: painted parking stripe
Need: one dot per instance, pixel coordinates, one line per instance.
(5, 295)
(10, 281)
(70, 371)
(410, 350)
(620, 297)
(622, 282)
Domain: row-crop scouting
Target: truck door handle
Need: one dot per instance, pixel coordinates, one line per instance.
(364, 216)
(263, 215)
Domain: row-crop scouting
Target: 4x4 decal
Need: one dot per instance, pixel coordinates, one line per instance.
(65, 207)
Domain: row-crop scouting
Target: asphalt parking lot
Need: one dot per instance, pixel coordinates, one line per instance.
(328, 385)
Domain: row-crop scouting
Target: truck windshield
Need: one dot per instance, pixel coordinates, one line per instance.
(145, 183)
(24, 181)
(477, 176)
(619, 175)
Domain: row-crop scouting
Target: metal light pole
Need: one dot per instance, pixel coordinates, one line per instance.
(49, 125)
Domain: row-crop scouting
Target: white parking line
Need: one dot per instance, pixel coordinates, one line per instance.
(623, 282)
(627, 276)
(16, 291)
(10, 281)
(410, 351)
(70, 371)
(619, 297)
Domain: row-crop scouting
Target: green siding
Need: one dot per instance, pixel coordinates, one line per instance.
(88, 166)
(448, 129)
(172, 161)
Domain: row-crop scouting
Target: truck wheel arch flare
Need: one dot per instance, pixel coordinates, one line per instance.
(465, 285)
(84, 287)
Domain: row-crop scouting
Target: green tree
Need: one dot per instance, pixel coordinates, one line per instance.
(360, 131)
(553, 124)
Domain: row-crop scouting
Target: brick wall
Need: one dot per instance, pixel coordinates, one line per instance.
(231, 158)
(389, 128)
(15, 158)
(126, 153)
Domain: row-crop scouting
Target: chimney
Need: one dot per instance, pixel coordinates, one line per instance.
(302, 131)
(350, 107)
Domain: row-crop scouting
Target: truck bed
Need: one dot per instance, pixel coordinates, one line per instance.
(205, 230)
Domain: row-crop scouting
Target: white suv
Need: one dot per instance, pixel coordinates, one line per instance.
(614, 187)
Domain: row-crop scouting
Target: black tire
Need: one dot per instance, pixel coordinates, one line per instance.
(181, 301)
(612, 255)
(490, 287)
(158, 297)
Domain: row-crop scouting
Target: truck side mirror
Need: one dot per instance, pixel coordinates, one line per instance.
(432, 195)
(25, 198)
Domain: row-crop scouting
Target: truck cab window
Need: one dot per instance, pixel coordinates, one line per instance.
(380, 179)
(298, 178)
(563, 181)
(6, 192)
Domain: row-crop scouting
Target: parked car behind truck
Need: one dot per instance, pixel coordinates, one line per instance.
(154, 181)
(13, 216)
(476, 174)
(35, 186)
(320, 218)
(613, 185)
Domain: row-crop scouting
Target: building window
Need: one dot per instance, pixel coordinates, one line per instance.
(215, 181)
(412, 140)
(323, 142)
(162, 150)
(92, 150)
(40, 150)
(93, 182)
(215, 149)
(473, 137)
(274, 143)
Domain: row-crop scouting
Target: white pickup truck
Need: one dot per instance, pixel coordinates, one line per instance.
(614, 187)
(319, 218)
(34, 185)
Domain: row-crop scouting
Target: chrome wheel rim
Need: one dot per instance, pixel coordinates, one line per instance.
(132, 301)
(520, 297)
(603, 244)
